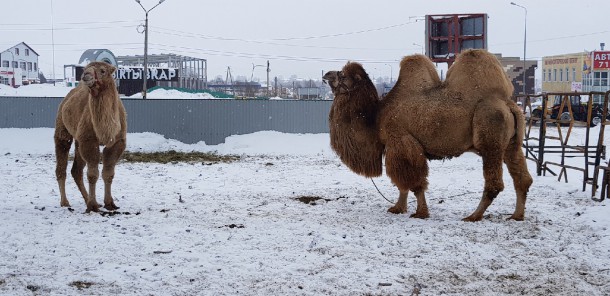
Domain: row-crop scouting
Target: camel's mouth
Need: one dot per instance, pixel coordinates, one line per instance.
(88, 79)
(330, 76)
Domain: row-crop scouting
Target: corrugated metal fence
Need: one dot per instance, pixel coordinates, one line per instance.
(188, 121)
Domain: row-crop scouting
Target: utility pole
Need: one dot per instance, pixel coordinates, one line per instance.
(52, 42)
(524, 43)
(145, 74)
(268, 70)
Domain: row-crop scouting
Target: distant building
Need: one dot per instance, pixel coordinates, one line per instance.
(514, 69)
(166, 70)
(577, 72)
(19, 65)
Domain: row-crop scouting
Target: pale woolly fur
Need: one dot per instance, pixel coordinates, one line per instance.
(91, 115)
(105, 116)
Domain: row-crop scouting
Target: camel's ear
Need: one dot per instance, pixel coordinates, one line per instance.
(112, 69)
(357, 77)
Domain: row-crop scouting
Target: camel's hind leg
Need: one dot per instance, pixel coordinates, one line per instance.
(63, 142)
(492, 125)
(110, 157)
(407, 167)
(492, 172)
(517, 166)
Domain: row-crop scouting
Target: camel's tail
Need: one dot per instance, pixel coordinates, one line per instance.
(519, 121)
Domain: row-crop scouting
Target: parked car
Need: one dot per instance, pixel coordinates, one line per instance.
(534, 110)
(578, 105)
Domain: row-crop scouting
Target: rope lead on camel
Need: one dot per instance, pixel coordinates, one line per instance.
(380, 191)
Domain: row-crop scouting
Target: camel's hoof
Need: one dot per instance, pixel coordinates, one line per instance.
(397, 210)
(111, 207)
(421, 215)
(95, 208)
(516, 217)
(472, 218)
(65, 204)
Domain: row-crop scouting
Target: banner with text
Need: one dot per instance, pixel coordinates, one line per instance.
(154, 74)
(601, 60)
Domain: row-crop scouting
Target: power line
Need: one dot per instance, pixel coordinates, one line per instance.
(64, 28)
(71, 23)
(256, 55)
(195, 35)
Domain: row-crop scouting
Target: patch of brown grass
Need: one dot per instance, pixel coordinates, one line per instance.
(175, 156)
(81, 285)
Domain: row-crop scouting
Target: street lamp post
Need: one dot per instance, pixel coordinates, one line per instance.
(145, 74)
(524, 43)
(254, 67)
(390, 72)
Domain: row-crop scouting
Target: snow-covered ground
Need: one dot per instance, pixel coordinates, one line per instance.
(240, 229)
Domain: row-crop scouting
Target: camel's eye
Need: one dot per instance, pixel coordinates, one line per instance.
(103, 71)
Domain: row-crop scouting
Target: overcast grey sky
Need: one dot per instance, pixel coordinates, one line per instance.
(302, 38)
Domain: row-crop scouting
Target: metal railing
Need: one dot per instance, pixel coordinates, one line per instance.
(564, 118)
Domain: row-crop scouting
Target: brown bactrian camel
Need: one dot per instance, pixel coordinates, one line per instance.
(422, 119)
(91, 115)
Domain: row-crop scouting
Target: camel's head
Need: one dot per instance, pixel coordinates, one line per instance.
(346, 80)
(98, 75)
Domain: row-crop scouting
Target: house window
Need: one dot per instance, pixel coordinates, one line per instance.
(29, 66)
(15, 64)
(22, 66)
(567, 74)
(5, 64)
(574, 74)
(549, 79)
(27, 52)
(604, 79)
(35, 67)
(560, 74)
(596, 78)
(16, 51)
(543, 74)
(554, 74)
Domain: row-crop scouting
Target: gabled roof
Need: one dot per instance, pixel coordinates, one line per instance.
(25, 45)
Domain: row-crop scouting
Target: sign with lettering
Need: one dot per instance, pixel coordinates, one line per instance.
(560, 61)
(601, 60)
(154, 74)
(576, 86)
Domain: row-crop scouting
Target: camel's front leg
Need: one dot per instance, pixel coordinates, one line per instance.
(401, 204)
(422, 207)
(90, 152)
(110, 157)
(407, 167)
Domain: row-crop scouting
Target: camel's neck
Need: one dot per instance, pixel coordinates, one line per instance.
(354, 136)
(105, 115)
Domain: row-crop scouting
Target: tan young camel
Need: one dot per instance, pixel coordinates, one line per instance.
(423, 119)
(91, 115)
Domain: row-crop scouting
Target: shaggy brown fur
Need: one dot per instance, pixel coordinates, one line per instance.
(91, 115)
(423, 118)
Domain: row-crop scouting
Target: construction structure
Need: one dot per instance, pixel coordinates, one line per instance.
(191, 73)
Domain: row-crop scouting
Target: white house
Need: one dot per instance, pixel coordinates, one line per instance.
(19, 65)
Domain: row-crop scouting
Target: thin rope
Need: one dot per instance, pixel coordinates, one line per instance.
(380, 192)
